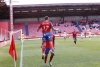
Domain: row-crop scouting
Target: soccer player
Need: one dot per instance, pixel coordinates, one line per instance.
(85, 33)
(64, 35)
(74, 33)
(46, 28)
(90, 34)
(47, 49)
(82, 34)
(22, 37)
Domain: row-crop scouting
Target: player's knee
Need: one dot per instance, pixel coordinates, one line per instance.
(52, 54)
(46, 56)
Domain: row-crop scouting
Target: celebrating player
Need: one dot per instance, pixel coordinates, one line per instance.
(74, 33)
(46, 28)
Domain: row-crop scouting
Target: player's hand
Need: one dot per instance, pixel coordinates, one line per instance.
(57, 29)
(38, 30)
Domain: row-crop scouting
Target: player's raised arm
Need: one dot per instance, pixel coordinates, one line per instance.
(56, 29)
(38, 29)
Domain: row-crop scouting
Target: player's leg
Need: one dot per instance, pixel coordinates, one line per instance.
(85, 35)
(51, 57)
(43, 45)
(81, 37)
(51, 46)
(75, 39)
(43, 51)
(46, 55)
(64, 37)
(89, 36)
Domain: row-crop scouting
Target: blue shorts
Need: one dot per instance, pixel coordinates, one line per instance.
(48, 49)
(47, 37)
(75, 39)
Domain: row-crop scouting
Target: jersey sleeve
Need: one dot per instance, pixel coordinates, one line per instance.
(51, 24)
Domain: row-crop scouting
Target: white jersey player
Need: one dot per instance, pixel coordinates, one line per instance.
(90, 34)
(22, 37)
(82, 35)
(64, 35)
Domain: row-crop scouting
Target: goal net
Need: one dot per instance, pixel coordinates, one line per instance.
(17, 34)
(6, 35)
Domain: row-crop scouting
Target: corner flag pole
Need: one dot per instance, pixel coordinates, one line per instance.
(11, 24)
(11, 16)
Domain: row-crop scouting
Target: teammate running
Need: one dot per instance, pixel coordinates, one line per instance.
(74, 34)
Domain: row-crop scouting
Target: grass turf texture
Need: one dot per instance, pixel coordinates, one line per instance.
(85, 54)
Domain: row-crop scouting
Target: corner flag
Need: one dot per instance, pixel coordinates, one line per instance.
(12, 50)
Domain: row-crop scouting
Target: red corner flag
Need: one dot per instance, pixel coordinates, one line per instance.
(12, 50)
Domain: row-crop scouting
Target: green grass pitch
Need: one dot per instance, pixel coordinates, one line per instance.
(86, 53)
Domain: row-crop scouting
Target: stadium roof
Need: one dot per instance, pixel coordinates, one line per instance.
(51, 10)
(27, 2)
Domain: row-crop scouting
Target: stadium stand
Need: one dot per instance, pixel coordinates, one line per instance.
(33, 29)
(68, 26)
(18, 26)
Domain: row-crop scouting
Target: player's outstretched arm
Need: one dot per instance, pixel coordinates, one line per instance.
(38, 29)
(56, 29)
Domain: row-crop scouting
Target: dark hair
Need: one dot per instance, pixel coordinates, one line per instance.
(46, 17)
